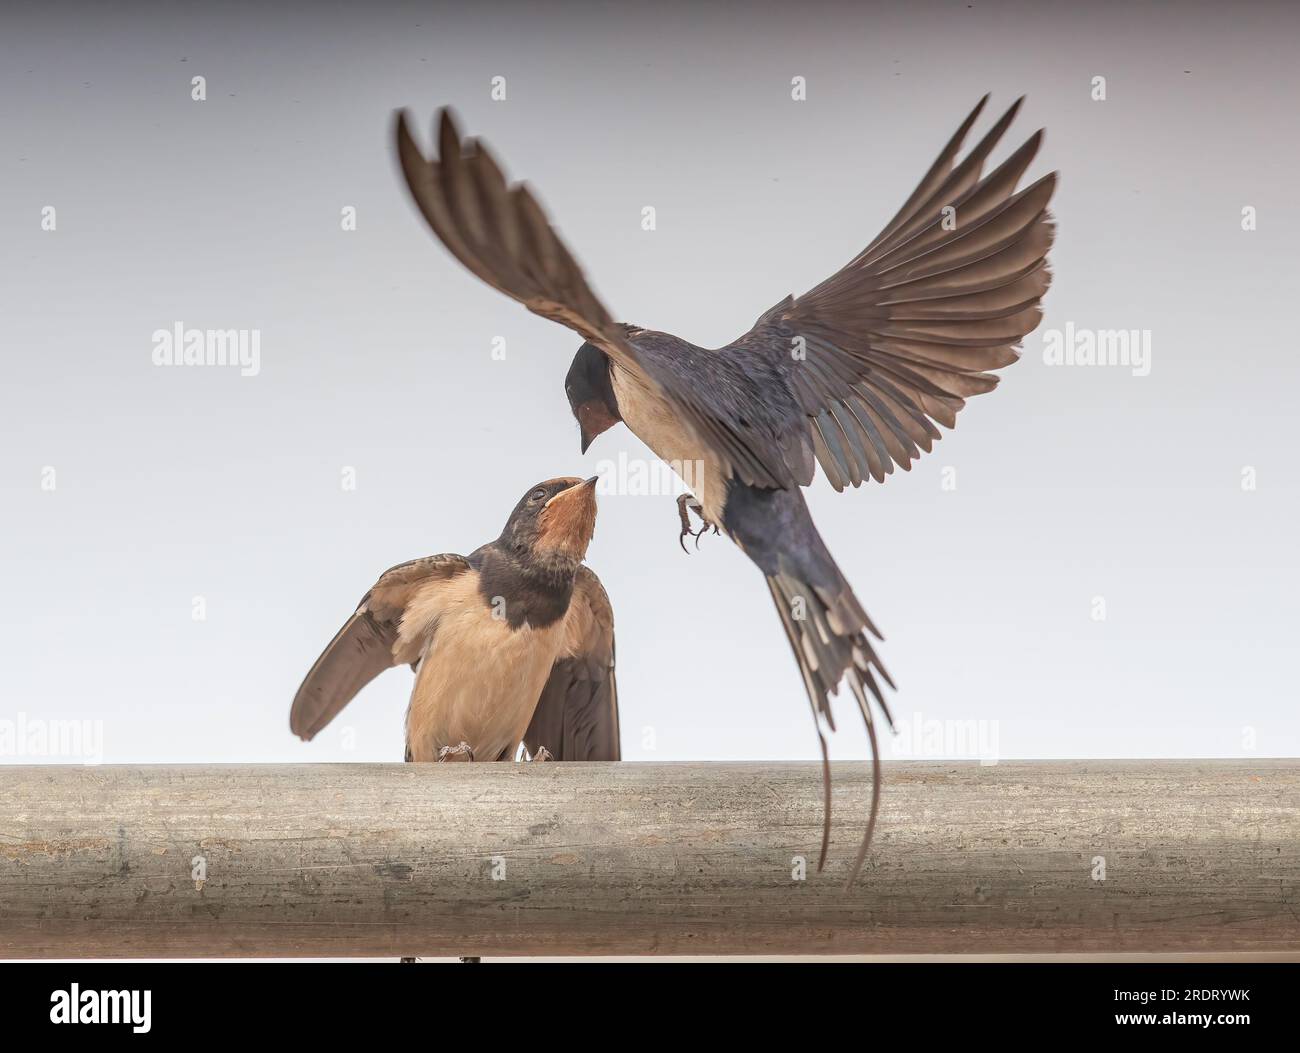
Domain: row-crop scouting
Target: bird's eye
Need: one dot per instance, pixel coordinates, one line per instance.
(537, 494)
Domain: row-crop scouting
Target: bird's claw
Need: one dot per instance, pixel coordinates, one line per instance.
(685, 518)
(704, 529)
(462, 751)
(685, 504)
(542, 754)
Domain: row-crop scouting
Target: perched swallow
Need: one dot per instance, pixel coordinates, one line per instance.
(511, 644)
(854, 375)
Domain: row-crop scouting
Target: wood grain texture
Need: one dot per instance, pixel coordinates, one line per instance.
(382, 860)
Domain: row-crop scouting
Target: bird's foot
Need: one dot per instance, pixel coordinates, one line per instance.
(543, 754)
(685, 505)
(456, 753)
(405, 961)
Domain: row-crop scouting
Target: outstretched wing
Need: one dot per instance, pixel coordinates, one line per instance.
(896, 341)
(577, 714)
(371, 641)
(499, 232)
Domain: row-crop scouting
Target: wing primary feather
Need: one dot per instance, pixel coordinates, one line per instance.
(914, 324)
(936, 173)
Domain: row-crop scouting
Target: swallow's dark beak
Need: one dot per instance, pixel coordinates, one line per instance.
(587, 438)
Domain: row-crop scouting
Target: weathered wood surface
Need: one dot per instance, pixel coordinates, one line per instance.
(382, 860)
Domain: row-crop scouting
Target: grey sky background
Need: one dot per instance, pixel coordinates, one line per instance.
(1072, 483)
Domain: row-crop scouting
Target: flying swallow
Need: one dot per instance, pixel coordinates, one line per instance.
(511, 644)
(854, 375)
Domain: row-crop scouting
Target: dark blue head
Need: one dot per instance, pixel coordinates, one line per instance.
(591, 394)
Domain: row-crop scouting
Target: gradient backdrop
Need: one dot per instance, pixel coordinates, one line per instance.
(1072, 484)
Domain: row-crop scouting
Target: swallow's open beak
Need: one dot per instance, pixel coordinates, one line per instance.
(569, 519)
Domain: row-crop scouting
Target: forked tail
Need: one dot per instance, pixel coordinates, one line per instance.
(828, 635)
(828, 630)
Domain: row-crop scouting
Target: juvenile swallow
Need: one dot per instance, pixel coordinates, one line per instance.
(511, 644)
(854, 375)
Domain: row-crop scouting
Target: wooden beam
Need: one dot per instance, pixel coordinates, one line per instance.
(644, 859)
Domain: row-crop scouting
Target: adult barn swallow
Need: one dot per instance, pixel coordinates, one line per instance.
(854, 375)
(511, 644)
